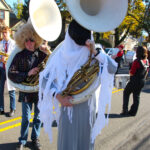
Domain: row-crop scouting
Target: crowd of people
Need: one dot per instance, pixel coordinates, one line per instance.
(77, 124)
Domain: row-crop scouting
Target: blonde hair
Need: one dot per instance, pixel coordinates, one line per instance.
(26, 32)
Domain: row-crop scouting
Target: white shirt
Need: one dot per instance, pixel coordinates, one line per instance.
(10, 48)
(11, 45)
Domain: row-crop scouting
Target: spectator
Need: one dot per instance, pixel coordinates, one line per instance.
(7, 45)
(24, 65)
(138, 72)
(119, 56)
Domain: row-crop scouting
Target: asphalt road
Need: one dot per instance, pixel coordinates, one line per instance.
(121, 133)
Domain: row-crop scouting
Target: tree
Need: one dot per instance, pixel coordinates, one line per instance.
(21, 10)
(146, 20)
(25, 10)
(66, 18)
(17, 8)
(132, 22)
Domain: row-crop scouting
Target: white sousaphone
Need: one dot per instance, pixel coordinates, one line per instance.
(46, 20)
(98, 16)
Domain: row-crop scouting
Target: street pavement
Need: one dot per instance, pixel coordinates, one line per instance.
(121, 133)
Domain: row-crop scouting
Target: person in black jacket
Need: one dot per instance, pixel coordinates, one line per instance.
(138, 72)
(24, 65)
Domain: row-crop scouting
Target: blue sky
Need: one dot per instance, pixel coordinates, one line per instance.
(10, 2)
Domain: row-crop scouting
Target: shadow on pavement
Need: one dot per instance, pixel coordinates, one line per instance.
(116, 116)
(7, 114)
(8, 146)
(12, 146)
(54, 124)
(143, 142)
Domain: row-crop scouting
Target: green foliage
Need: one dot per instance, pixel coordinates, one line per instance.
(146, 21)
(105, 43)
(63, 9)
(19, 8)
(98, 39)
(132, 24)
(136, 16)
(25, 11)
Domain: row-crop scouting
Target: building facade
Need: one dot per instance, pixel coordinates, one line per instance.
(5, 12)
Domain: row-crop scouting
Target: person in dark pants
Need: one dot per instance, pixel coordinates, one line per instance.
(138, 72)
(119, 56)
(25, 65)
(6, 46)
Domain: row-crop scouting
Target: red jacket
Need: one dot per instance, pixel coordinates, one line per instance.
(120, 54)
(135, 66)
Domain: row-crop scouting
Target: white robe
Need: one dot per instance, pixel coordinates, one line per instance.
(63, 63)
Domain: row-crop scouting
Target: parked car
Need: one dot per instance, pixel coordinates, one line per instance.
(114, 51)
(106, 50)
(130, 56)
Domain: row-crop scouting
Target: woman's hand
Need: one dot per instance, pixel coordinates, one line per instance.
(91, 46)
(33, 71)
(45, 49)
(64, 100)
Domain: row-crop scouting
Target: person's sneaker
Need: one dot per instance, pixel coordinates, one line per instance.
(131, 113)
(11, 113)
(19, 146)
(36, 144)
(2, 112)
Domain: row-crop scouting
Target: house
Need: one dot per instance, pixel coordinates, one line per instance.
(16, 24)
(8, 18)
(4, 15)
(5, 10)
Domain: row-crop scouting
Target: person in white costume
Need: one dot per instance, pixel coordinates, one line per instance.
(77, 124)
(6, 45)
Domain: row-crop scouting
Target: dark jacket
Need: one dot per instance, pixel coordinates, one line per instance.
(140, 72)
(22, 63)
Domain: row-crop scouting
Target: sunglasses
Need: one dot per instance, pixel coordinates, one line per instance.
(31, 40)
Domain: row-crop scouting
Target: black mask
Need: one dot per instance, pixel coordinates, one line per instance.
(79, 34)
